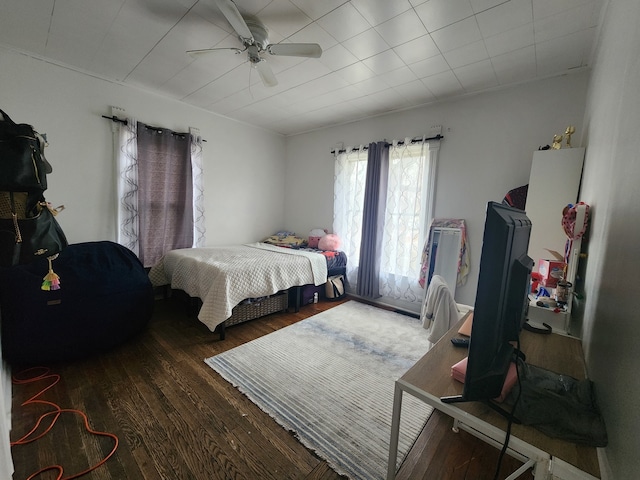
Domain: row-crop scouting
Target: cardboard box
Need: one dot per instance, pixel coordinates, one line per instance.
(551, 271)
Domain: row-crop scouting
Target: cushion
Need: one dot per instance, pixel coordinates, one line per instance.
(105, 298)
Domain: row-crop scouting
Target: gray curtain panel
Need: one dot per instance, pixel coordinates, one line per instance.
(375, 197)
(165, 193)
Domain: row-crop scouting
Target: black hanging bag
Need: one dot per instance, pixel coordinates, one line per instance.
(23, 167)
(29, 233)
(28, 228)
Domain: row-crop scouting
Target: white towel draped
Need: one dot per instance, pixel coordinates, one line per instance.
(439, 310)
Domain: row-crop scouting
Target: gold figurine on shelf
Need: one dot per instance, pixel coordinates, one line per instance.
(557, 142)
(567, 134)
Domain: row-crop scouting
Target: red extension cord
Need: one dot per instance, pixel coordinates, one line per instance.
(55, 413)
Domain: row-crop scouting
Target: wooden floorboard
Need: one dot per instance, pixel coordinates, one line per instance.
(176, 418)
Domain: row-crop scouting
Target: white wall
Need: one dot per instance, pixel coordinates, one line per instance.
(244, 166)
(611, 330)
(487, 150)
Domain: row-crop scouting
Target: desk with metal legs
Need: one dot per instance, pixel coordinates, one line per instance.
(430, 379)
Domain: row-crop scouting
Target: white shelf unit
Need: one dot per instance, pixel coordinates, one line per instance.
(554, 183)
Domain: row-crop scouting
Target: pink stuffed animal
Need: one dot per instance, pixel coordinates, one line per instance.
(330, 241)
(314, 237)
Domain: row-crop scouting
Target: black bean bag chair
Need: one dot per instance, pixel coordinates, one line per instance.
(105, 298)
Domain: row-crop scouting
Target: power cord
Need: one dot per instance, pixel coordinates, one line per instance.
(24, 378)
(505, 445)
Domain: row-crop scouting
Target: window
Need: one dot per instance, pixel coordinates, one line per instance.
(404, 219)
(160, 200)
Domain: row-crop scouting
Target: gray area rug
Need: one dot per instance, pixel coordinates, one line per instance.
(329, 379)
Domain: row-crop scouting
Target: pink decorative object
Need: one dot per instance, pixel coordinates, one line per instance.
(314, 237)
(330, 241)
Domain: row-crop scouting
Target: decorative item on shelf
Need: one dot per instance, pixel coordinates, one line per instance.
(557, 142)
(567, 134)
(569, 217)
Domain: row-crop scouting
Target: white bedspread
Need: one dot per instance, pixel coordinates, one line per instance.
(224, 276)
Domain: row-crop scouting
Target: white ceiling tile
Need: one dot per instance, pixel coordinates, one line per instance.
(283, 18)
(346, 94)
(417, 50)
(200, 73)
(302, 73)
(337, 57)
(35, 14)
(436, 14)
(506, 16)
(314, 33)
(399, 76)
(366, 44)
(316, 9)
(324, 84)
(471, 53)
(561, 24)
(385, 101)
(515, 66)
(564, 53)
(550, 8)
(384, 62)
(415, 92)
(344, 22)
(401, 29)
(356, 72)
(513, 39)
(482, 5)
(429, 66)
(477, 76)
(443, 84)
(77, 30)
(371, 86)
(378, 12)
(457, 35)
(169, 56)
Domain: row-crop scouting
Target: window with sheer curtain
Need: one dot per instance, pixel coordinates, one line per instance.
(400, 224)
(160, 190)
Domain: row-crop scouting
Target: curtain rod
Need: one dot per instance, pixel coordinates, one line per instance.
(413, 140)
(126, 122)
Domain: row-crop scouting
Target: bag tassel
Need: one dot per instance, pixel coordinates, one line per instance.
(51, 279)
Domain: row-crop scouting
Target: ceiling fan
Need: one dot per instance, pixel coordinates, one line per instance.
(255, 41)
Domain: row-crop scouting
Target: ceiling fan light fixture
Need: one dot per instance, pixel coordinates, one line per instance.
(254, 37)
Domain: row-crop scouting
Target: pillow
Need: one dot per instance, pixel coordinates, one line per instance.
(285, 239)
(314, 237)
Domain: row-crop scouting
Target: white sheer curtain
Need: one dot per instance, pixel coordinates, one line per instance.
(409, 210)
(199, 230)
(126, 158)
(349, 182)
(407, 216)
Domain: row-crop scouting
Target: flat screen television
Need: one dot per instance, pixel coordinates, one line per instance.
(501, 302)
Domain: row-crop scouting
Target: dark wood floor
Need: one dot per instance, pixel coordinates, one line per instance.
(176, 418)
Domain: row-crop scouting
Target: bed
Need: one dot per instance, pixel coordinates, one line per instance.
(223, 277)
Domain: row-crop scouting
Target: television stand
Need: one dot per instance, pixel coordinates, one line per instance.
(430, 379)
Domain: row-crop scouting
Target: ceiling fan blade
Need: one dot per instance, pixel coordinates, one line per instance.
(204, 51)
(234, 17)
(312, 50)
(266, 74)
